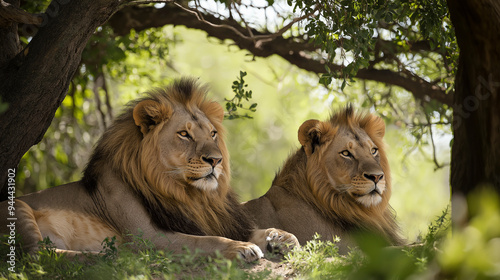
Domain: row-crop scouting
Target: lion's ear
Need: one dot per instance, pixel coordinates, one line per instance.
(149, 113)
(313, 133)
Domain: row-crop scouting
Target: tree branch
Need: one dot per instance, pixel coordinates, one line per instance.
(11, 14)
(295, 50)
(420, 88)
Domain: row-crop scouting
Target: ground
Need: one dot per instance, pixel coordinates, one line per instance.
(277, 266)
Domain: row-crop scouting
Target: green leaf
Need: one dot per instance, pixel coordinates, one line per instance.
(343, 84)
(238, 86)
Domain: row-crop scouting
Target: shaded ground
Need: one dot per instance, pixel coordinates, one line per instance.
(277, 266)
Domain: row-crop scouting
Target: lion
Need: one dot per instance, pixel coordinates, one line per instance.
(160, 171)
(338, 183)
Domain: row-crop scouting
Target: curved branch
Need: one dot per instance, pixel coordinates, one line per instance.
(294, 50)
(420, 88)
(147, 17)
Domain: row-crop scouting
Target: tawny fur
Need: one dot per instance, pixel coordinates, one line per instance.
(160, 171)
(320, 191)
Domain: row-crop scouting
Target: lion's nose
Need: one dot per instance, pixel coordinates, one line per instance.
(374, 177)
(213, 161)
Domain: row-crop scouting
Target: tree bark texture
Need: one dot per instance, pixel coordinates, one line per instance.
(475, 158)
(9, 44)
(35, 80)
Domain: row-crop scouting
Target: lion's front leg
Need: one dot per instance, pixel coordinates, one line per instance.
(276, 240)
(229, 248)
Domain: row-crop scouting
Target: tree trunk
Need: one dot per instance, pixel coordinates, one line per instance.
(35, 81)
(475, 158)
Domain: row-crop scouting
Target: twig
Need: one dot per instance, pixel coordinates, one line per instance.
(10, 13)
(242, 19)
(258, 39)
(434, 157)
(267, 38)
(200, 18)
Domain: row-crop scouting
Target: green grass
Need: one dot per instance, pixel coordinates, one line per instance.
(471, 252)
(122, 263)
(372, 259)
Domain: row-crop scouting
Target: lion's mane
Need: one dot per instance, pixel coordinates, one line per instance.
(172, 205)
(309, 180)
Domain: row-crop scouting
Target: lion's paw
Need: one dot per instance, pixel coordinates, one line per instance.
(280, 241)
(247, 251)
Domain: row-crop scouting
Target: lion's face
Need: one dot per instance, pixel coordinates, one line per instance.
(189, 147)
(187, 142)
(352, 161)
(349, 158)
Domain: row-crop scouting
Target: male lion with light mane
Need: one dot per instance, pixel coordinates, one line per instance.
(162, 171)
(336, 184)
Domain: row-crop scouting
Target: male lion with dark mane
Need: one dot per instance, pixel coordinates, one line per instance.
(161, 171)
(336, 184)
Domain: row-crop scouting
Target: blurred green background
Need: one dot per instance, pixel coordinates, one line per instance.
(286, 97)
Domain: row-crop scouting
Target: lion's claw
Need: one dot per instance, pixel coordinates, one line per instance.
(246, 251)
(251, 253)
(280, 241)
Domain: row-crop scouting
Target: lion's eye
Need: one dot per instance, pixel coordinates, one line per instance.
(184, 134)
(213, 134)
(374, 151)
(346, 153)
